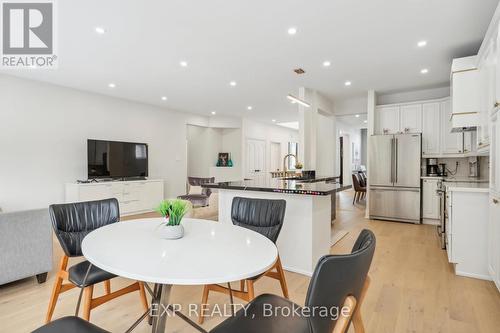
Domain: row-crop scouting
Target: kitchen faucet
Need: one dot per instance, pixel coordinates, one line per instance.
(284, 161)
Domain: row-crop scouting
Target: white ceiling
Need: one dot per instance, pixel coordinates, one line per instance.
(369, 42)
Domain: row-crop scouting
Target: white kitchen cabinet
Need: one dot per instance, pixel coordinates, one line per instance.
(387, 120)
(467, 232)
(494, 240)
(465, 92)
(410, 118)
(133, 196)
(495, 154)
(451, 143)
(431, 129)
(430, 199)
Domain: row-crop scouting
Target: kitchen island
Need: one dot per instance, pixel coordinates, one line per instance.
(306, 232)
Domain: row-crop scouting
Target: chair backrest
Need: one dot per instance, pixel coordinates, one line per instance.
(73, 221)
(261, 215)
(197, 181)
(335, 278)
(362, 178)
(355, 182)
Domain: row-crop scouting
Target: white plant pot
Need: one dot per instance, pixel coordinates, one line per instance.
(171, 231)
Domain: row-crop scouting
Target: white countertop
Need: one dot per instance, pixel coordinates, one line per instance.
(459, 180)
(467, 187)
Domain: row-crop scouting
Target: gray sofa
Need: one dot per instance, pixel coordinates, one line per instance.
(25, 245)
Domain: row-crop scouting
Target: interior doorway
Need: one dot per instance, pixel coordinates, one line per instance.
(341, 154)
(255, 158)
(275, 156)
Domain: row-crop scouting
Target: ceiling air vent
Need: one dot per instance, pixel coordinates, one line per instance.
(299, 71)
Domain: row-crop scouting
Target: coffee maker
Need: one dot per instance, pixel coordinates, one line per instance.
(432, 167)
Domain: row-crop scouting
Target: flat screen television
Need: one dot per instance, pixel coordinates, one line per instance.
(113, 159)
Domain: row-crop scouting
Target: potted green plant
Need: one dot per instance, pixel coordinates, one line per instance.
(172, 211)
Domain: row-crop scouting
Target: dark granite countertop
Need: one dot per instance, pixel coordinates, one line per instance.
(316, 186)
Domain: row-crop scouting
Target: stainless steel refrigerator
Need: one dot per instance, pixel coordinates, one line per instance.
(394, 177)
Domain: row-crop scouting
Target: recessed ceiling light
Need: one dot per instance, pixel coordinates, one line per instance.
(274, 120)
(249, 107)
(213, 112)
(347, 83)
(100, 30)
(232, 83)
(183, 63)
(365, 121)
(326, 63)
(422, 43)
(111, 85)
(292, 31)
(357, 116)
(164, 98)
(424, 71)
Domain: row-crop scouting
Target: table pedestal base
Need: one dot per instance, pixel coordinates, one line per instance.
(159, 305)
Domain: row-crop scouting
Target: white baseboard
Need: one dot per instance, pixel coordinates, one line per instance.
(474, 275)
(431, 222)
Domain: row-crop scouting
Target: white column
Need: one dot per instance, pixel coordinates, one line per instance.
(370, 108)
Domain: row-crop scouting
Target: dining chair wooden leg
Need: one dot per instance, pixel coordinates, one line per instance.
(357, 320)
(87, 302)
(107, 287)
(354, 199)
(242, 285)
(57, 289)
(142, 293)
(342, 324)
(204, 300)
(251, 291)
(282, 279)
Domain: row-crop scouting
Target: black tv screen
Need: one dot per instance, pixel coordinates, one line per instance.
(112, 159)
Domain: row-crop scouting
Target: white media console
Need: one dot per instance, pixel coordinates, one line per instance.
(135, 196)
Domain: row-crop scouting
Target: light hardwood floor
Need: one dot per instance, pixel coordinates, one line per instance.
(413, 287)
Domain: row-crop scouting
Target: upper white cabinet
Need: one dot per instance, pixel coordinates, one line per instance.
(465, 92)
(431, 128)
(387, 120)
(392, 119)
(433, 120)
(410, 118)
(451, 143)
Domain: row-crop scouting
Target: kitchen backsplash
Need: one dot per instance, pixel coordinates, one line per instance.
(463, 166)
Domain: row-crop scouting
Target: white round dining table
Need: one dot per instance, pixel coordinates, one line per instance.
(209, 253)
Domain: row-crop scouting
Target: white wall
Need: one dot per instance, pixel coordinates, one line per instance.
(413, 95)
(352, 138)
(268, 133)
(326, 146)
(44, 131)
(356, 105)
(203, 146)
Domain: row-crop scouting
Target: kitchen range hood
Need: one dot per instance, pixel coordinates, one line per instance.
(465, 95)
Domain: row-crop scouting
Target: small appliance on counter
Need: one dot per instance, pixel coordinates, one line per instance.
(308, 174)
(473, 167)
(442, 170)
(432, 167)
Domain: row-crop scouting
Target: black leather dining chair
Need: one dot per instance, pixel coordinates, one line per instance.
(265, 217)
(339, 284)
(71, 223)
(338, 281)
